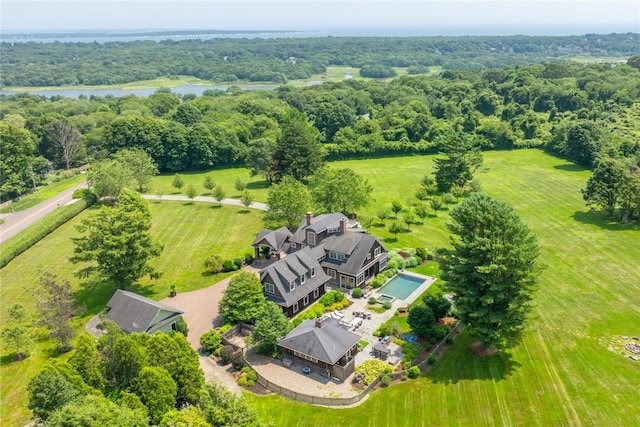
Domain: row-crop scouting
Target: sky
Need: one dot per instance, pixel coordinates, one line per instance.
(423, 17)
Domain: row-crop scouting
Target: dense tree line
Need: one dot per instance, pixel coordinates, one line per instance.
(280, 60)
(581, 112)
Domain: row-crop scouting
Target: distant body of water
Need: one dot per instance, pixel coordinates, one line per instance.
(181, 90)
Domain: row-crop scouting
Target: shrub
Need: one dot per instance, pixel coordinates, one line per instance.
(237, 360)
(356, 293)
(372, 300)
(410, 351)
(390, 273)
(432, 359)
(248, 377)
(386, 305)
(224, 328)
(38, 231)
(384, 329)
(85, 194)
(411, 261)
(251, 374)
(372, 368)
(248, 258)
(225, 353)
(440, 332)
(213, 263)
(331, 298)
(216, 352)
(296, 322)
(238, 262)
(211, 341)
(379, 280)
(414, 372)
(448, 341)
(229, 265)
(385, 380)
(181, 326)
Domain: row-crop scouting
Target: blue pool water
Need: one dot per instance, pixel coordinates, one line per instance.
(401, 286)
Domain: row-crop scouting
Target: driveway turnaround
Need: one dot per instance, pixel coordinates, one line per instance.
(201, 314)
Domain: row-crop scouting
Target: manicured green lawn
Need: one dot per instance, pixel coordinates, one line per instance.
(226, 178)
(189, 232)
(563, 373)
(45, 192)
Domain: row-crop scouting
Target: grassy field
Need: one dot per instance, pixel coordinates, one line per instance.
(564, 373)
(45, 192)
(189, 232)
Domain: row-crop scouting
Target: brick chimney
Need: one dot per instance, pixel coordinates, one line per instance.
(309, 218)
(320, 322)
(343, 225)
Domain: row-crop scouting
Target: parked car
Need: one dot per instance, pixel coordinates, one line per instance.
(385, 339)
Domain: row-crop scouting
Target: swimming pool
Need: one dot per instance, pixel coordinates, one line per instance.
(401, 286)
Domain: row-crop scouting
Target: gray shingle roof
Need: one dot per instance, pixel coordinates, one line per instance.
(135, 313)
(328, 343)
(318, 225)
(356, 246)
(282, 272)
(275, 239)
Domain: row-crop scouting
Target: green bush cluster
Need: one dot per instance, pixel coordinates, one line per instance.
(331, 298)
(232, 264)
(211, 341)
(36, 232)
(248, 377)
(379, 280)
(414, 372)
(372, 368)
(356, 293)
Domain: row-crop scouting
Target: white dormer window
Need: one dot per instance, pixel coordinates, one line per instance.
(292, 285)
(302, 278)
(313, 272)
(369, 255)
(333, 230)
(377, 251)
(269, 288)
(311, 238)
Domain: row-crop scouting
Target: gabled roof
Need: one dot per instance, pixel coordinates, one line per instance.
(327, 343)
(135, 313)
(275, 239)
(318, 225)
(284, 271)
(356, 245)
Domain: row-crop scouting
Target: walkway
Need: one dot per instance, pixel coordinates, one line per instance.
(15, 222)
(203, 199)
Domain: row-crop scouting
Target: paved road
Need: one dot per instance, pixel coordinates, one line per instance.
(18, 221)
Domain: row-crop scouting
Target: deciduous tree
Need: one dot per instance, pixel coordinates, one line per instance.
(157, 390)
(116, 241)
(141, 165)
(17, 336)
(96, 411)
(243, 299)
(56, 305)
(339, 190)
(288, 201)
(108, 177)
(421, 320)
(271, 325)
(67, 139)
(491, 270)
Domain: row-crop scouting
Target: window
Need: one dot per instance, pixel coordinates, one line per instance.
(337, 255)
(305, 301)
(360, 278)
(293, 245)
(369, 256)
(302, 278)
(295, 307)
(383, 263)
(333, 230)
(311, 238)
(322, 257)
(331, 272)
(313, 272)
(292, 285)
(269, 288)
(377, 251)
(305, 356)
(316, 292)
(347, 281)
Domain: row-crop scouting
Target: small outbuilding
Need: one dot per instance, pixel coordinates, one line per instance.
(135, 313)
(322, 345)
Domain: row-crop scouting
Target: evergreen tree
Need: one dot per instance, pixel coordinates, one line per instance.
(492, 269)
(460, 162)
